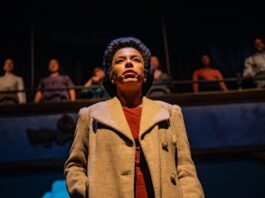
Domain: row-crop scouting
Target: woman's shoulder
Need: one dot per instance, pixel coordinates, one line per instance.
(216, 70)
(199, 70)
(17, 77)
(64, 77)
(167, 106)
(174, 110)
(99, 106)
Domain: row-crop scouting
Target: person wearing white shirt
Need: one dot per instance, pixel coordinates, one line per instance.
(255, 64)
(11, 82)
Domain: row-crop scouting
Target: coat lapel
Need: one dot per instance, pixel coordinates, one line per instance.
(152, 113)
(110, 113)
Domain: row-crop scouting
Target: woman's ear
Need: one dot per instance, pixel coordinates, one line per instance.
(145, 76)
(111, 77)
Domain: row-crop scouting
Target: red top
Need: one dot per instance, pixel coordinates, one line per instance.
(142, 175)
(207, 74)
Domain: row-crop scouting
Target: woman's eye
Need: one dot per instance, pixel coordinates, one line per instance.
(118, 61)
(137, 60)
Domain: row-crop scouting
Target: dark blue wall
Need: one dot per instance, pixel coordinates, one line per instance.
(208, 127)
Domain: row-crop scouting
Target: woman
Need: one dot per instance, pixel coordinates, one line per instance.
(209, 74)
(11, 82)
(161, 83)
(97, 78)
(94, 86)
(159, 75)
(130, 146)
(62, 85)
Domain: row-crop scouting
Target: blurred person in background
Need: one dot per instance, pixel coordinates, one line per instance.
(255, 65)
(159, 75)
(97, 78)
(55, 81)
(210, 74)
(94, 86)
(161, 83)
(11, 82)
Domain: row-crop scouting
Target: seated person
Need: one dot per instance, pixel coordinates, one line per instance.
(255, 66)
(97, 78)
(11, 82)
(207, 73)
(159, 75)
(161, 80)
(94, 86)
(55, 81)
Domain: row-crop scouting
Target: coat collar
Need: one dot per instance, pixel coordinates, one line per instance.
(110, 113)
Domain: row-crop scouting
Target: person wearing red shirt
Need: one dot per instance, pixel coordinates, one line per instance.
(210, 74)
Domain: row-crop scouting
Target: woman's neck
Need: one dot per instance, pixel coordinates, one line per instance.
(130, 99)
(54, 74)
(8, 73)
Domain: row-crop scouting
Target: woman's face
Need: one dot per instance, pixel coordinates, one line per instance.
(99, 73)
(127, 71)
(206, 60)
(8, 65)
(155, 62)
(54, 66)
(259, 45)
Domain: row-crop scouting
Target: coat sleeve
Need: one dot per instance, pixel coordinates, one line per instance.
(186, 171)
(75, 169)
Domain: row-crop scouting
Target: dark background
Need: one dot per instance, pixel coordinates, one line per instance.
(77, 32)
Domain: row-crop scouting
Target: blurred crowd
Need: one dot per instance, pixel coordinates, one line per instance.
(58, 87)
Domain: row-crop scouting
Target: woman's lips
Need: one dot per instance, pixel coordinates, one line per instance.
(129, 74)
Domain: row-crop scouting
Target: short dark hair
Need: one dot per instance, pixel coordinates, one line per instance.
(110, 51)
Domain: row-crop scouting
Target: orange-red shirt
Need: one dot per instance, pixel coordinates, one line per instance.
(207, 74)
(142, 175)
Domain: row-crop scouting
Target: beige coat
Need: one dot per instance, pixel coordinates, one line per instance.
(102, 157)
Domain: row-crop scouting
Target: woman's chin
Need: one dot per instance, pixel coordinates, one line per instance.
(131, 80)
(130, 84)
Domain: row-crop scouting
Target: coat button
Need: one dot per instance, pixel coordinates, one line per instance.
(173, 178)
(165, 145)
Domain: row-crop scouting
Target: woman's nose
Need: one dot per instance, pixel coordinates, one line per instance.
(128, 64)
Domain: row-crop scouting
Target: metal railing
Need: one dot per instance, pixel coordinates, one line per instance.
(237, 80)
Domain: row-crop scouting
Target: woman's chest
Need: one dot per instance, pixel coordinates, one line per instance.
(159, 137)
